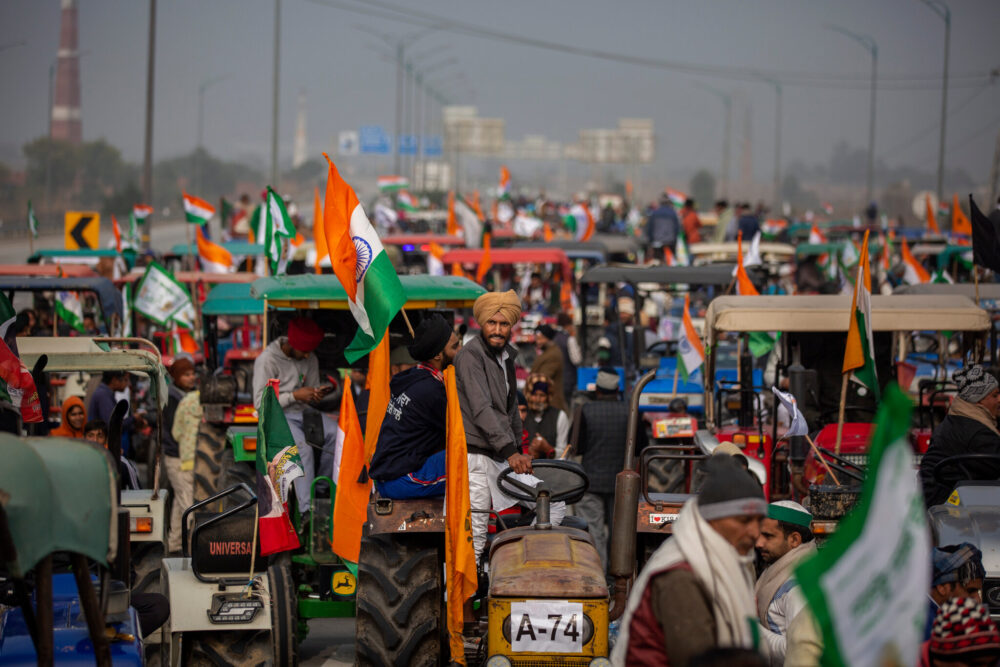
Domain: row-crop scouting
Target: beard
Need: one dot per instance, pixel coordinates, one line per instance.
(496, 342)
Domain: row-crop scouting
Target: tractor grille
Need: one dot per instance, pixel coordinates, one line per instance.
(860, 460)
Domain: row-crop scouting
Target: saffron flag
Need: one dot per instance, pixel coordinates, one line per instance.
(377, 384)
(486, 262)
(116, 230)
(690, 351)
(959, 222)
(932, 225)
(350, 507)
(278, 465)
(374, 293)
(867, 587)
(197, 211)
(452, 220)
(181, 340)
(859, 354)
(214, 258)
(503, 190)
(547, 232)
(461, 579)
(744, 286)
(476, 207)
(32, 221)
(913, 271)
(319, 237)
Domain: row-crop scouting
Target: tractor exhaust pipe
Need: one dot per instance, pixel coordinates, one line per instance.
(621, 561)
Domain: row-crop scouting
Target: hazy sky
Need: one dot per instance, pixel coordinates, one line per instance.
(349, 83)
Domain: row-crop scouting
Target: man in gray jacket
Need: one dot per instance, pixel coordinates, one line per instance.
(487, 394)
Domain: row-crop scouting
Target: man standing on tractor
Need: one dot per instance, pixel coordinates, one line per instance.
(695, 593)
(487, 394)
(291, 360)
(785, 539)
(409, 461)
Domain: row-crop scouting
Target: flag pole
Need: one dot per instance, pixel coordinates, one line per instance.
(187, 238)
(677, 370)
(253, 546)
(840, 415)
(407, 320)
(821, 459)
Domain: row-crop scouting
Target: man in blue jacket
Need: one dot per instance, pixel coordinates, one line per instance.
(409, 460)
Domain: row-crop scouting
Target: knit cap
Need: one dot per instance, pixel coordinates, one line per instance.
(729, 490)
(963, 629)
(974, 383)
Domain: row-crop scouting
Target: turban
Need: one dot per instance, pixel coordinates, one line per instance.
(974, 383)
(507, 304)
(547, 331)
(949, 560)
(432, 334)
(304, 335)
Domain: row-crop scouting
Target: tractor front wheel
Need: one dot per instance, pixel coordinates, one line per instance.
(208, 460)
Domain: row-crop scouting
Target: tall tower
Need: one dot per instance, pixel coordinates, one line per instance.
(299, 148)
(66, 123)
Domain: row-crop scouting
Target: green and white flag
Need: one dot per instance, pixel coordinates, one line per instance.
(159, 296)
(278, 228)
(126, 326)
(32, 221)
(69, 309)
(867, 587)
(185, 315)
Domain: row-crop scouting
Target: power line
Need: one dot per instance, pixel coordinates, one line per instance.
(389, 11)
(923, 132)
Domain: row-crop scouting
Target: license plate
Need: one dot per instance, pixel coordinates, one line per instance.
(546, 627)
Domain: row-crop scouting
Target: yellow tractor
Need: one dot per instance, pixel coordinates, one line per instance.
(546, 600)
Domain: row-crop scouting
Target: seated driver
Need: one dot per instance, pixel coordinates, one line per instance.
(409, 459)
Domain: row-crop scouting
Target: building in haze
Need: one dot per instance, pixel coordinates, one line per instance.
(66, 123)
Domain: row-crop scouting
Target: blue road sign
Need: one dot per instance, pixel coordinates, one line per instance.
(408, 144)
(433, 146)
(375, 140)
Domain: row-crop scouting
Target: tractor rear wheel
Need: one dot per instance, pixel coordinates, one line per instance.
(146, 557)
(234, 472)
(284, 614)
(400, 601)
(208, 460)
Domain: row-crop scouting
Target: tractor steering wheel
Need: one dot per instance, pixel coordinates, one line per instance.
(959, 461)
(564, 480)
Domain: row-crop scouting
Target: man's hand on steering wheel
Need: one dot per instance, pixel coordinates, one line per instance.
(519, 463)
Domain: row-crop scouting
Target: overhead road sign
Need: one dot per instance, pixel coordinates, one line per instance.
(374, 140)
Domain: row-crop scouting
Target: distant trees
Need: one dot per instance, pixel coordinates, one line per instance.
(702, 189)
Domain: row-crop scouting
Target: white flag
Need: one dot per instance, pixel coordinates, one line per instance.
(797, 423)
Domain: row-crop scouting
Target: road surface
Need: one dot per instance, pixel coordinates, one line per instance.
(164, 235)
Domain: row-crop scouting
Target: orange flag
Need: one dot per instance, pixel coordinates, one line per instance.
(457, 270)
(339, 207)
(476, 207)
(460, 557)
(589, 231)
(350, 509)
(452, 220)
(547, 232)
(959, 222)
(118, 233)
(486, 262)
(744, 286)
(932, 225)
(378, 394)
(319, 235)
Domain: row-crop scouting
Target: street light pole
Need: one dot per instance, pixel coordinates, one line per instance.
(872, 47)
(205, 85)
(147, 152)
(777, 143)
(275, 95)
(942, 10)
(727, 101)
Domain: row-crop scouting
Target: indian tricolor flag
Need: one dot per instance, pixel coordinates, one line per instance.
(859, 354)
(690, 351)
(744, 286)
(214, 258)
(374, 292)
(392, 183)
(141, 212)
(913, 271)
(407, 202)
(503, 190)
(435, 267)
(584, 221)
(197, 211)
(677, 198)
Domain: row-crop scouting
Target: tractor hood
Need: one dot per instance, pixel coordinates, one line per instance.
(560, 563)
(971, 514)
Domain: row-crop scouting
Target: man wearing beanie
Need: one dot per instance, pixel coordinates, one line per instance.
(695, 593)
(785, 540)
(290, 359)
(409, 461)
(487, 394)
(964, 634)
(549, 363)
(970, 427)
(183, 380)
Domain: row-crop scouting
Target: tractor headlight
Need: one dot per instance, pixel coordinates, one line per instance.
(498, 661)
(587, 629)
